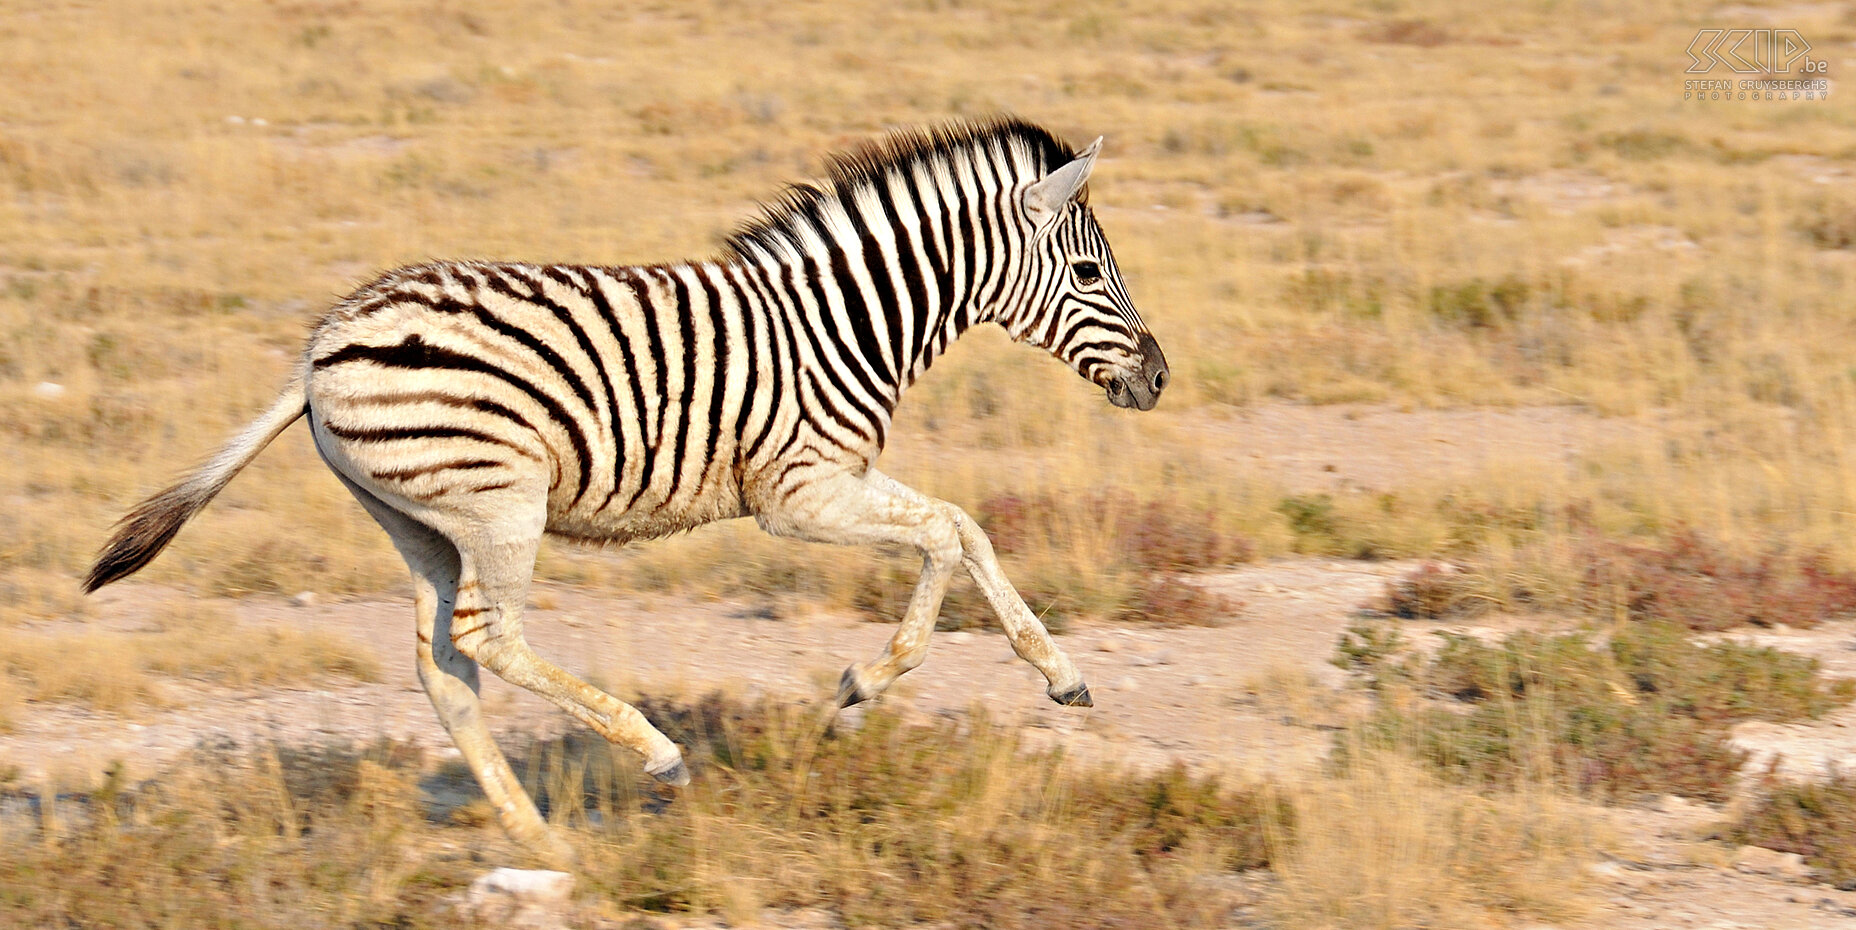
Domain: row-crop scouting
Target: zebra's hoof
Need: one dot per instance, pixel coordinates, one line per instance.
(1074, 697)
(676, 774)
(849, 691)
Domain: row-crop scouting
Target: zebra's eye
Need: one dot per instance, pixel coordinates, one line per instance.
(1086, 272)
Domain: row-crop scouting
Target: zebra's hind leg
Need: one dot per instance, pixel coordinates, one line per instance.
(496, 561)
(850, 510)
(1028, 637)
(450, 679)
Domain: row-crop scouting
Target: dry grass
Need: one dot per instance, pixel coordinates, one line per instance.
(1388, 845)
(953, 822)
(1508, 230)
(1313, 205)
(887, 824)
(130, 672)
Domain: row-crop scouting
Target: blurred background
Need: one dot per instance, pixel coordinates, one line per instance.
(1463, 296)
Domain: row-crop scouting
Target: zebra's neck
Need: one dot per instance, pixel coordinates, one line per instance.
(885, 299)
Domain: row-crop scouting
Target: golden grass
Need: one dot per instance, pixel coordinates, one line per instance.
(1444, 207)
(953, 823)
(888, 824)
(1387, 845)
(1424, 209)
(130, 672)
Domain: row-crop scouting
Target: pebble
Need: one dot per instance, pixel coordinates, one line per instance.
(1126, 683)
(526, 898)
(960, 636)
(1672, 804)
(1605, 870)
(1108, 645)
(1759, 860)
(49, 390)
(1196, 680)
(540, 886)
(303, 599)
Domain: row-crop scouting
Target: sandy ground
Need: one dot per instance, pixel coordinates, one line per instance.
(1253, 696)
(1161, 694)
(1256, 695)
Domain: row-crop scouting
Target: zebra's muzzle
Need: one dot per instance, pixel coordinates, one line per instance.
(1141, 389)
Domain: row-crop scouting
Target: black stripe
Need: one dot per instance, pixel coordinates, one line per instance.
(823, 330)
(885, 289)
(396, 433)
(950, 276)
(403, 474)
(780, 344)
(746, 306)
(414, 353)
(1088, 322)
(566, 317)
(997, 242)
(967, 207)
(595, 291)
(909, 266)
(821, 398)
(686, 331)
(863, 323)
(470, 403)
(718, 386)
(641, 293)
(1099, 347)
(495, 282)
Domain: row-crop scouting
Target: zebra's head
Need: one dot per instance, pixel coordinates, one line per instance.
(1072, 300)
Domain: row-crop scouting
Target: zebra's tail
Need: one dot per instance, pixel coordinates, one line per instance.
(146, 530)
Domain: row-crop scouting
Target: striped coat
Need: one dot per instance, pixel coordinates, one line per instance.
(474, 407)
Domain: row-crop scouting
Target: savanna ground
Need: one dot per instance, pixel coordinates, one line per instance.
(1476, 326)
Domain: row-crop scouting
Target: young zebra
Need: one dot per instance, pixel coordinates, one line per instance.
(472, 407)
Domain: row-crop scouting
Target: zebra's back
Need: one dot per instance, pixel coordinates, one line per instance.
(642, 399)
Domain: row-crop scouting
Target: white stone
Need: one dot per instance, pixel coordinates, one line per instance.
(303, 599)
(1127, 683)
(1107, 645)
(521, 886)
(1759, 860)
(1675, 804)
(50, 390)
(960, 636)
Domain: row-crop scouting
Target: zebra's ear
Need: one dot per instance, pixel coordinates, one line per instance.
(1046, 198)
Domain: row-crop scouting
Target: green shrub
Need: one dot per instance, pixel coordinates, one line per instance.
(1646, 712)
(1817, 820)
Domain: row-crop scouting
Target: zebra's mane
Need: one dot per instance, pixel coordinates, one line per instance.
(778, 228)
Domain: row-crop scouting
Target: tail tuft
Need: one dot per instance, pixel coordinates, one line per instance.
(152, 524)
(147, 530)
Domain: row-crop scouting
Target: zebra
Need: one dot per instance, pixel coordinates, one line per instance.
(473, 407)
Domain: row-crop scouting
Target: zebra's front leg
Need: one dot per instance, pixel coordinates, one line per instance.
(848, 510)
(1029, 639)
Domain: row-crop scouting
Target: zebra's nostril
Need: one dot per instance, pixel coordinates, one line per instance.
(1159, 380)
